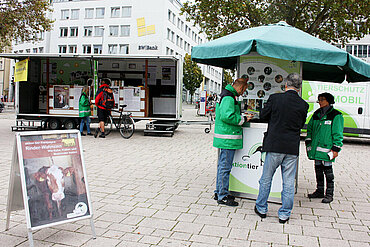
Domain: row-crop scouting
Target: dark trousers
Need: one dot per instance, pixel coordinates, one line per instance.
(320, 171)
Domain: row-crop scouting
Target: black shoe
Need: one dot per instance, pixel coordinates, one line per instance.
(283, 221)
(102, 135)
(228, 202)
(258, 213)
(215, 197)
(82, 134)
(96, 132)
(316, 194)
(89, 134)
(327, 199)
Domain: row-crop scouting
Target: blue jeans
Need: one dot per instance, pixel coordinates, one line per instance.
(225, 161)
(288, 163)
(85, 120)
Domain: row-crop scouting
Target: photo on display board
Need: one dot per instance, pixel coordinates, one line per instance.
(268, 70)
(279, 78)
(250, 86)
(261, 78)
(267, 86)
(61, 97)
(251, 70)
(261, 94)
(245, 76)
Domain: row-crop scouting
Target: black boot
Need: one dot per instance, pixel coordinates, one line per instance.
(329, 176)
(319, 193)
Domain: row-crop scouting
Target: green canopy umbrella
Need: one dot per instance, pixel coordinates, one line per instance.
(321, 61)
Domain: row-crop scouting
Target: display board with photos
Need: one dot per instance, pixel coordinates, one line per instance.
(265, 77)
(53, 178)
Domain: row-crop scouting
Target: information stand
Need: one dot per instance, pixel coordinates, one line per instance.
(48, 180)
(248, 166)
(265, 77)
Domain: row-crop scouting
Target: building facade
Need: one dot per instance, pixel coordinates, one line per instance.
(143, 27)
(359, 48)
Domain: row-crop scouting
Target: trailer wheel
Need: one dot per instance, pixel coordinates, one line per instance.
(69, 124)
(54, 124)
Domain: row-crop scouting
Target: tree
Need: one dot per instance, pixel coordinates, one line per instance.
(23, 20)
(193, 76)
(334, 21)
(228, 77)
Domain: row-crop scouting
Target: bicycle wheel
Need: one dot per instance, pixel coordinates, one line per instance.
(108, 125)
(126, 127)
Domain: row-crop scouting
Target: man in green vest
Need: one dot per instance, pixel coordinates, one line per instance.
(228, 137)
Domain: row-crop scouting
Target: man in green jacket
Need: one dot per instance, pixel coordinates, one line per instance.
(323, 142)
(228, 137)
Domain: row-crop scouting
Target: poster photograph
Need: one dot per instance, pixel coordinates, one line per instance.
(54, 178)
(61, 97)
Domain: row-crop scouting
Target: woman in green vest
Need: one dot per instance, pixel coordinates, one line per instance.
(85, 111)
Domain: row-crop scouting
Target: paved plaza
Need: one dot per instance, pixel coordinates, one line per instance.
(157, 191)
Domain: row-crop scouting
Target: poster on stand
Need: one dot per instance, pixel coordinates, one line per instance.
(131, 98)
(53, 178)
(247, 168)
(265, 77)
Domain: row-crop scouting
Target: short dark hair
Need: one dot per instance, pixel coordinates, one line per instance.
(328, 96)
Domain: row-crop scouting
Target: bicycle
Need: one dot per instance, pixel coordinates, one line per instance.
(125, 123)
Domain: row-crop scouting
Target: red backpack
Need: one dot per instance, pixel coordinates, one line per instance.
(107, 100)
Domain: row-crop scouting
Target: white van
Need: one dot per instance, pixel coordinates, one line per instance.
(352, 99)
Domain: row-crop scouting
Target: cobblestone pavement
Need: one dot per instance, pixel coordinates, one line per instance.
(157, 191)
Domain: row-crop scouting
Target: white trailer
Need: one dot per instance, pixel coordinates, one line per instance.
(150, 86)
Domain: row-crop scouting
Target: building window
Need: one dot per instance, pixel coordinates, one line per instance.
(125, 30)
(112, 49)
(123, 49)
(126, 11)
(88, 31)
(113, 31)
(1, 65)
(349, 49)
(168, 34)
(63, 31)
(98, 49)
(62, 49)
(169, 15)
(86, 49)
(99, 31)
(65, 14)
(115, 12)
(100, 13)
(73, 49)
(362, 51)
(34, 50)
(75, 14)
(172, 36)
(73, 31)
(89, 13)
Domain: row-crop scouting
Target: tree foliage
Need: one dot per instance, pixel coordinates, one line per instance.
(193, 76)
(228, 77)
(334, 21)
(23, 20)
